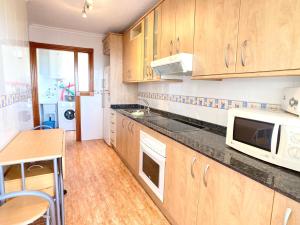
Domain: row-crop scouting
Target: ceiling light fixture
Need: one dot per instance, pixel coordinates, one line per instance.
(88, 5)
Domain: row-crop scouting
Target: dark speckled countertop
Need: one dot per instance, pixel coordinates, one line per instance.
(209, 140)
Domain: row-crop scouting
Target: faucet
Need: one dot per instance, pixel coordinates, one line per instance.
(146, 106)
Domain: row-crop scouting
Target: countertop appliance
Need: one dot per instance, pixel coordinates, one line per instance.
(152, 163)
(291, 100)
(272, 136)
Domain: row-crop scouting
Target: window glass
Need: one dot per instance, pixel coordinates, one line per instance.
(83, 72)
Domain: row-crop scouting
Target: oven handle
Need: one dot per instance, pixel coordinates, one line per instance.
(152, 154)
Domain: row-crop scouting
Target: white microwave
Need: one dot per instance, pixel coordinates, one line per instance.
(270, 136)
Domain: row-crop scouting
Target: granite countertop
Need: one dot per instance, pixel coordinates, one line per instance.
(209, 140)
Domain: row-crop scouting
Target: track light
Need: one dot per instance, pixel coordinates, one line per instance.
(88, 5)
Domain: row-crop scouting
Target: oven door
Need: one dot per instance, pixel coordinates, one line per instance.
(152, 169)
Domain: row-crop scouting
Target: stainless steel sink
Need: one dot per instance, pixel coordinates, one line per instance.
(140, 113)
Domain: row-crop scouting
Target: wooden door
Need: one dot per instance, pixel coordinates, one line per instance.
(168, 19)
(269, 35)
(216, 32)
(281, 208)
(182, 180)
(185, 17)
(133, 147)
(229, 198)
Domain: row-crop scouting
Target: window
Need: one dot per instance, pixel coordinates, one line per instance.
(84, 73)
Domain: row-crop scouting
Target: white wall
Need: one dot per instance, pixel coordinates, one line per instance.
(255, 92)
(92, 113)
(15, 84)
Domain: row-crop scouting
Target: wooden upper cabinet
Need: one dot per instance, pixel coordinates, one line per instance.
(148, 45)
(133, 51)
(229, 198)
(182, 184)
(127, 53)
(216, 32)
(285, 211)
(185, 17)
(177, 27)
(168, 28)
(269, 35)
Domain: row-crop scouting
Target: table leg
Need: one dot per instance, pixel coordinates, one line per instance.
(61, 182)
(2, 187)
(57, 191)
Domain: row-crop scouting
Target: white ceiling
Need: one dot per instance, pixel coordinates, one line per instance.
(106, 16)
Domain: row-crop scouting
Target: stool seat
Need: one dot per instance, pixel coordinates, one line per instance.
(22, 210)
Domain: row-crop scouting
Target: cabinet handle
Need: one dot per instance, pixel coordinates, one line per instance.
(128, 126)
(287, 215)
(177, 45)
(205, 174)
(123, 123)
(171, 47)
(244, 45)
(192, 166)
(227, 56)
(131, 128)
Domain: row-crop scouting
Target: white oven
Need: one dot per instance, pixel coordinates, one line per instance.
(152, 163)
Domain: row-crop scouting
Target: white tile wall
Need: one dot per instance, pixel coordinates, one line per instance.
(15, 89)
(260, 90)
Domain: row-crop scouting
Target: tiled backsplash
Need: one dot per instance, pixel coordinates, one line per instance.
(208, 102)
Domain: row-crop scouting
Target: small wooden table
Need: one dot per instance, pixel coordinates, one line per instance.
(33, 146)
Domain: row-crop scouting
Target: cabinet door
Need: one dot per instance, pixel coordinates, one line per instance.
(119, 133)
(269, 35)
(182, 178)
(137, 48)
(216, 32)
(168, 28)
(133, 147)
(285, 210)
(127, 53)
(185, 17)
(148, 45)
(229, 198)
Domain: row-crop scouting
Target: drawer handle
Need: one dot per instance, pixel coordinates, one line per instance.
(123, 123)
(287, 215)
(192, 166)
(205, 175)
(128, 126)
(171, 47)
(34, 166)
(177, 45)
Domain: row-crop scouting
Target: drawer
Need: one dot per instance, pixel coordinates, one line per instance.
(38, 176)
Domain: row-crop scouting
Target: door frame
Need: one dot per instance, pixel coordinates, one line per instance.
(33, 46)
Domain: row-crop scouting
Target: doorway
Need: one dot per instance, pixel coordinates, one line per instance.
(60, 75)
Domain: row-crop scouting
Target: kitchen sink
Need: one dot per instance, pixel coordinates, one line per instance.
(139, 113)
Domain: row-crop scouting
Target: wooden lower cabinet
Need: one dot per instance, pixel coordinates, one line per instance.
(182, 182)
(229, 198)
(128, 141)
(281, 208)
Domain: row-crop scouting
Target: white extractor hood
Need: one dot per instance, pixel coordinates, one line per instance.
(173, 67)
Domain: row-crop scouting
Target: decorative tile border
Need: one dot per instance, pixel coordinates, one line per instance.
(10, 99)
(208, 102)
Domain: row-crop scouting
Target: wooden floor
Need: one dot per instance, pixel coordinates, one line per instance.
(101, 190)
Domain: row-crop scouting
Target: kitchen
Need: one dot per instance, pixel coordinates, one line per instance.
(189, 113)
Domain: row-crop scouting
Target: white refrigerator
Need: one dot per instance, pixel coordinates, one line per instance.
(106, 105)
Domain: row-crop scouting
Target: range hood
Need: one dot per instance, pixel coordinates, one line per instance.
(174, 67)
